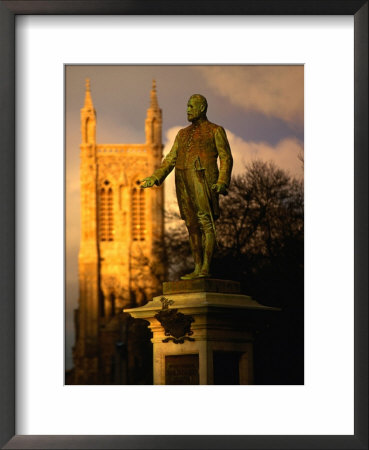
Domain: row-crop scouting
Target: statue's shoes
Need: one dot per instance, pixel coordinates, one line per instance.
(190, 276)
(204, 274)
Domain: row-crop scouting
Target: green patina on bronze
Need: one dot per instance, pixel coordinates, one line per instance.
(199, 182)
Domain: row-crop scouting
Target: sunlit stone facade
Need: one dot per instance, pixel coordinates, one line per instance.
(120, 260)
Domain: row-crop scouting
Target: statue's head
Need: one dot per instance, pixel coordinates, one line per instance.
(196, 107)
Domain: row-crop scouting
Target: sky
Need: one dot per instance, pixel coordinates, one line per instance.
(261, 108)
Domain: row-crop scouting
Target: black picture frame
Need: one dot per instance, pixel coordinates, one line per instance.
(8, 12)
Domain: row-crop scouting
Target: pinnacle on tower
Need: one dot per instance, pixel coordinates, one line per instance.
(153, 97)
(88, 117)
(88, 99)
(153, 121)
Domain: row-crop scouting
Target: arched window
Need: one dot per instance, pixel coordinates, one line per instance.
(142, 215)
(86, 129)
(110, 215)
(102, 216)
(138, 214)
(106, 214)
(153, 130)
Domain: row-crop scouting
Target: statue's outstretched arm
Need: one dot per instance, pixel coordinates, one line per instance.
(165, 168)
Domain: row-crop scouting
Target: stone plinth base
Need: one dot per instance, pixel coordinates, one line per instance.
(202, 332)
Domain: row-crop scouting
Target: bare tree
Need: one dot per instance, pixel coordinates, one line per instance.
(261, 226)
(263, 209)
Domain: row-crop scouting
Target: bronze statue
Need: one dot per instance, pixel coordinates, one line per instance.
(198, 180)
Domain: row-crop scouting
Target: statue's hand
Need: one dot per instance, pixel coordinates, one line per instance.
(148, 182)
(219, 188)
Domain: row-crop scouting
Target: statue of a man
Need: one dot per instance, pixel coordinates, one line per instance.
(198, 180)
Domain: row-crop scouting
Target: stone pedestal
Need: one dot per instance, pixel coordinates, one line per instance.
(202, 332)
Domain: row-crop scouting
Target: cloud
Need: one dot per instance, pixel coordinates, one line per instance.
(284, 155)
(275, 91)
(169, 185)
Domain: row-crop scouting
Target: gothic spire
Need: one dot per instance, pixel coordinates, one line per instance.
(88, 99)
(153, 121)
(153, 97)
(88, 117)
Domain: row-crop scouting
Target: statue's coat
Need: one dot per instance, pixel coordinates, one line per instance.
(201, 141)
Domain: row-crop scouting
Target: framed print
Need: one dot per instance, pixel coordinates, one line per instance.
(47, 45)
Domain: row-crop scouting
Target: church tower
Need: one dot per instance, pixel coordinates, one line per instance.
(121, 246)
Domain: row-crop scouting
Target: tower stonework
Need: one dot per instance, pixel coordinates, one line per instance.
(121, 249)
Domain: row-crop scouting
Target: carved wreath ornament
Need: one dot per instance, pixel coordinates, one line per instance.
(176, 325)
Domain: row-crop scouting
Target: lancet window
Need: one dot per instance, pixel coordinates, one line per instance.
(138, 214)
(106, 213)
